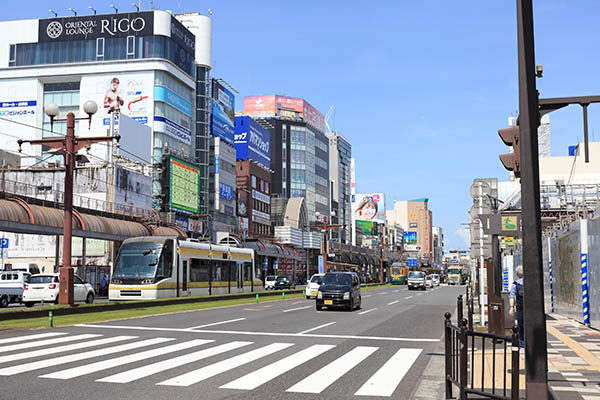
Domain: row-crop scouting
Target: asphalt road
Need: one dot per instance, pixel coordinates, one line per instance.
(270, 350)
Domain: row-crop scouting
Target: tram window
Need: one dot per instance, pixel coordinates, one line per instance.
(221, 270)
(165, 266)
(199, 270)
(247, 268)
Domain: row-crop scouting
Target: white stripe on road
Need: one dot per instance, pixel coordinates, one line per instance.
(419, 294)
(316, 327)
(367, 311)
(29, 337)
(147, 370)
(47, 342)
(388, 377)
(393, 302)
(409, 297)
(115, 362)
(320, 380)
(222, 366)
(366, 295)
(396, 291)
(60, 349)
(218, 323)
(17, 369)
(265, 374)
(296, 309)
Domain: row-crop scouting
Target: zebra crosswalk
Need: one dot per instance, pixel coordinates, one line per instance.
(64, 356)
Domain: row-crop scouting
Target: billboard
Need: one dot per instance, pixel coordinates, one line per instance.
(20, 108)
(369, 207)
(132, 189)
(136, 140)
(410, 238)
(223, 113)
(252, 141)
(184, 186)
(272, 105)
(366, 228)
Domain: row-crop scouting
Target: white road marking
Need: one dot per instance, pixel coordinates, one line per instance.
(388, 377)
(367, 311)
(161, 366)
(30, 337)
(246, 333)
(366, 295)
(265, 374)
(320, 380)
(419, 294)
(60, 349)
(393, 302)
(383, 293)
(396, 291)
(17, 369)
(296, 309)
(115, 362)
(28, 345)
(409, 297)
(222, 366)
(218, 323)
(316, 327)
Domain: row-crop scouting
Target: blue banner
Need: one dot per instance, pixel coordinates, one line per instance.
(226, 191)
(220, 124)
(412, 262)
(165, 95)
(252, 141)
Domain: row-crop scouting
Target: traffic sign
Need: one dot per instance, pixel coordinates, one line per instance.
(4, 243)
(412, 262)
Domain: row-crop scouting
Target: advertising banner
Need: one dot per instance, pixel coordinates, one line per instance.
(225, 192)
(412, 262)
(95, 26)
(174, 100)
(260, 106)
(369, 207)
(182, 36)
(242, 203)
(366, 228)
(271, 105)
(410, 237)
(220, 124)
(161, 124)
(185, 186)
(252, 141)
(132, 189)
(136, 139)
(19, 102)
(411, 247)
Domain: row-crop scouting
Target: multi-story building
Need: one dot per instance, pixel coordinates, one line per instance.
(438, 246)
(299, 149)
(415, 217)
(340, 155)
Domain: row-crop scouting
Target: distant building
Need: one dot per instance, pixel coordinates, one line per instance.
(340, 155)
(415, 218)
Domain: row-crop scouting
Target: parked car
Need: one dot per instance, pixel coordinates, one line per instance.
(339, 290)
(284, 282)
(12, 284)
(45, 287)
(435, 279)
(270, 282)
(313, 286)
(428, 281)
(416, 280)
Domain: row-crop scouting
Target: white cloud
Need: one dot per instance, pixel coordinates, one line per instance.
(465, 235)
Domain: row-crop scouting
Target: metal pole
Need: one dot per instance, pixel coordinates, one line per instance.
(536, 356)
(325, 244)
(496, 265)
(481, 261)
(585, 133)
(66, 271)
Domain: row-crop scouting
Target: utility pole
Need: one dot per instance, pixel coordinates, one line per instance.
(325, 228)
(69, 145)
(536, 356)
(481, 259)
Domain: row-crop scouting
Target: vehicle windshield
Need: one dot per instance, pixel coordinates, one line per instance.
(41, 279)
(337, 280)
(453, 271)
(396, 270)
(416, 275)
(428, 277)
(137, 260)
(317, 279)
(271, 278)
(282, 279)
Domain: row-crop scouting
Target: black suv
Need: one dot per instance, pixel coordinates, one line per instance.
(339, 290)
(283, 282)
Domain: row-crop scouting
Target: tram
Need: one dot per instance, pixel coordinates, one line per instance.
(153, 267)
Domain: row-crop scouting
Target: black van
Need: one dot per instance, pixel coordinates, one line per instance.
(339, 290)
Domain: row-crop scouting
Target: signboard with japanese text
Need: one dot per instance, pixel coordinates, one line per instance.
(184, 186)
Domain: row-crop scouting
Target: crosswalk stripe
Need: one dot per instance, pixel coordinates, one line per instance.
(115, 362)
(320, 380)
(388, 377)
(60, 349)
(222, 366)
(29, 337)
(17, 369)
(265, 374)
(147, 370)
(46, 342)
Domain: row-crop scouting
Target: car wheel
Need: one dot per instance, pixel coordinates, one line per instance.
(319, 308)
(359, 303)
(4, 302)
(90, 298)
(29, 304)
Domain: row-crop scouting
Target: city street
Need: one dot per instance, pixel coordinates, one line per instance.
(269, 350)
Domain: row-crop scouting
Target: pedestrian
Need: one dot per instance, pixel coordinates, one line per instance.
(103, 285)
(516, 303)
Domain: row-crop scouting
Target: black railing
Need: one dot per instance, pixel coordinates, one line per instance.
(460, 349)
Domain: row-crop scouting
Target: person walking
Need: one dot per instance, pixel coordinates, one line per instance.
(515, 300)
(103, 283)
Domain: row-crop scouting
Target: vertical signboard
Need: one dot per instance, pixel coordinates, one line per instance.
(252, 141)
(184, 186)
(223, 114)
(369, 207)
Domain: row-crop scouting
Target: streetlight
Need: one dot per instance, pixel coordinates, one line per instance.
(69, 145)
(73, 11)
(53, 12)
(115, 8)
(93, 9)
(136, 6)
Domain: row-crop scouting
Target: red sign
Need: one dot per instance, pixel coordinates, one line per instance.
(267, 106)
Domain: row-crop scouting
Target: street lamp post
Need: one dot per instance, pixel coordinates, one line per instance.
(69, 145)
(324, 229)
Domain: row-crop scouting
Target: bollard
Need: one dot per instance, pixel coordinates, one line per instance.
(257, 297)
(303, 292)
(282, 295)
(50, 319)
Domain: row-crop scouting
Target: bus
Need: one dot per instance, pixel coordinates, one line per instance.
(457, 275)
(398, 274)
(152, 267)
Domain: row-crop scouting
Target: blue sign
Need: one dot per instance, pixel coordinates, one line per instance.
(265, 263)
(321, 264)
(216, 164)
(220, 123)
(252, 141)
(4, 243)
(410, 237)
(275, 263)
(24, 103)
(454, 261)
(225, 191)
(412, 262)
(165, 95)
(183, 222)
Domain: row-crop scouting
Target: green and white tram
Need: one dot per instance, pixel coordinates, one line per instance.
(154, 267)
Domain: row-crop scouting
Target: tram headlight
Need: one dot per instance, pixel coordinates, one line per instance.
(117, 281)
(147, 281)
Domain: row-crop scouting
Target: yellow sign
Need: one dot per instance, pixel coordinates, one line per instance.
(508, 240)
(509, 223)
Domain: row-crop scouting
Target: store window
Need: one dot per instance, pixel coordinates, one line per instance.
(130, 47)
(253, 181)
(100, 49)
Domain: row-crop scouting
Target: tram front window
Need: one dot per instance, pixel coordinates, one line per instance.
(137, 260)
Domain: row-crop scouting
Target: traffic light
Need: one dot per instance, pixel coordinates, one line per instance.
(511, 137)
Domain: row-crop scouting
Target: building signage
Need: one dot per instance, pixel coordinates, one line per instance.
(271, 105)
(369, 207)
(94, 26)
(261, 196)
(412, 225)
(410, 238)
(225, 192)
(10, 109)
(225, 209)
(184, 186)
(182, 36)
(411, 247)
(182, 222)
(166, 95)
(412, 262)
(261, 217)
(220, 125)
(252, 141)
(243, 223)
(366, 227)
(161, 124)
(217, 158)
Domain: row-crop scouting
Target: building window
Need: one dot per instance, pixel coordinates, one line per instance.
(12, 55)
(100, 48)
(130, 46)
(253, 179)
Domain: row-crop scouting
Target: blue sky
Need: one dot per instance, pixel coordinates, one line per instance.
(420, 87)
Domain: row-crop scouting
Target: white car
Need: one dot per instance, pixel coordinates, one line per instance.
(270, 282)
(44, 288)
(435, 279)
(312, 288)
(428, 281)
